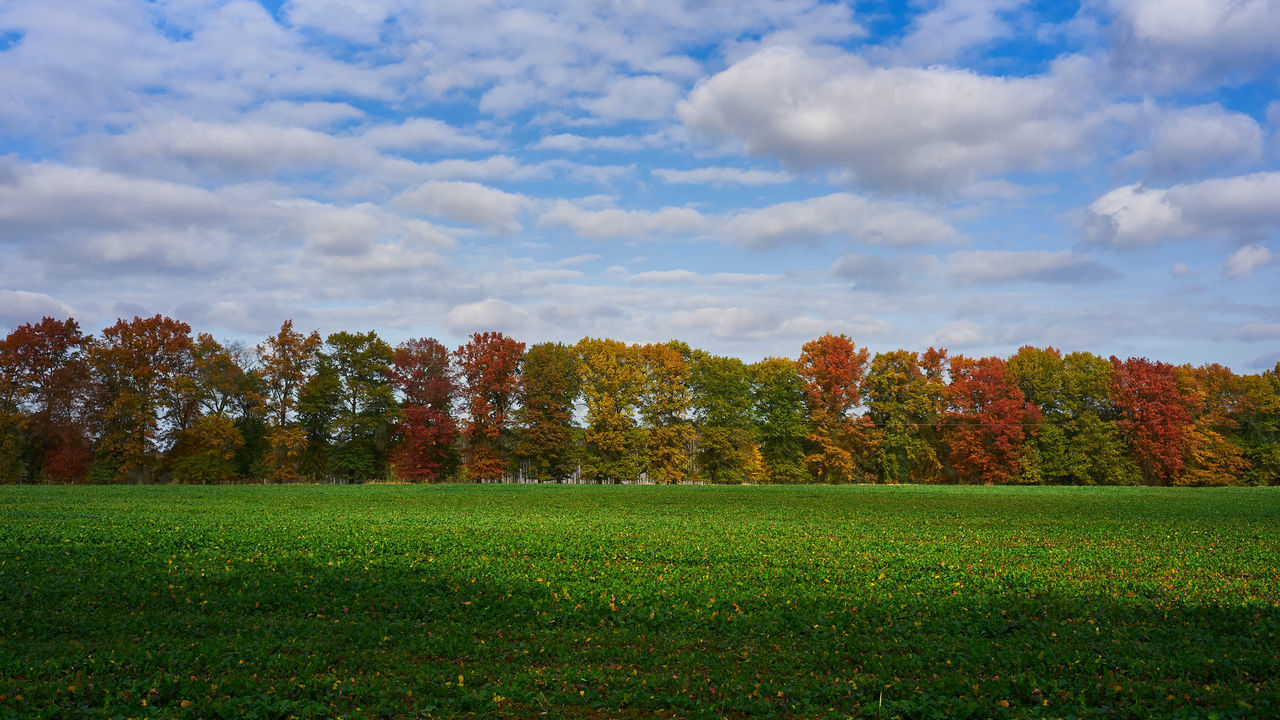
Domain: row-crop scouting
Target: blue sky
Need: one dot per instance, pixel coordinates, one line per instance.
(745, 176)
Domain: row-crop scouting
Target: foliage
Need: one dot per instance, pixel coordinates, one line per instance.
(595, 602)
(1150, 416)
(905, 396)
(778, 396)
(420, 371)
(988, 421)
(489, 366)
(611, 379)
(138, 365)
(722, 409)
(664, 406)
(832, 368)
(547, 394)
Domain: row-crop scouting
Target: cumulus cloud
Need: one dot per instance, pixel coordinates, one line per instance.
(644, 97)
(872, 272)
(569, 142)
(961, 333)
(1187, 142)
(840, 216)
(1185, 41)
(1259, 331)
(20, 306)
(1241, 207)
(618, 223)
(891, 128)
(1005, 266)
(843, 216)
(490, 314)
(466, 202)
(952, 27)
(722, 176)
(1247, 259)
(424, 134)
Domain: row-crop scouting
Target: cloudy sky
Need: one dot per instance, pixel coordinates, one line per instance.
(744, 175)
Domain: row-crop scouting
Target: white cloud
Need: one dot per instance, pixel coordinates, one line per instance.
(19, 306)
(961, 333)
(893, 128)
(646, 97)
(618, 223)
(1004, 266)
(1259, 331)
(665, 276)
(841, 216)
(1187, 142)
(722, 176)
(1242, 207)
(466, 202)
(424, 134)
(872, 272)
(950, 28)
(1247, 259)
(569, 142)
(490, 314)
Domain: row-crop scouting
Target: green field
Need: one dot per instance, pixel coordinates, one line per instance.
(609, 601)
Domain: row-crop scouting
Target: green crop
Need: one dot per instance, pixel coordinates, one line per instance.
(610, 601)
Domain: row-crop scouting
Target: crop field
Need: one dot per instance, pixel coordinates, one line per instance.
(608, 601)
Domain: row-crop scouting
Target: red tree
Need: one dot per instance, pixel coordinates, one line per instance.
(1151, 416)
(420, 372)
(988, 421)
(43, 375)
(832, 369)
(490, 368)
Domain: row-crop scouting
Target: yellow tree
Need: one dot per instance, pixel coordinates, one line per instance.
(611, 379)
(664, 406)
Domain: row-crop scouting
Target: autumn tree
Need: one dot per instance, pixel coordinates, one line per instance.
(1150, 416)
(489, 367)
(44, 387)
(905, 396)
(988, 421)
(722, 410)
(778, 408)
(208, 436)
(1213, 396)
(423, 376)
(611, 380)
(549, 389)
(286, 359)
(832, 368)
(138, 365)
(664, 407)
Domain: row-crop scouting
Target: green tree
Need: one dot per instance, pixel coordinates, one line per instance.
(360, 427)
(905, 398)
(778, 397)
(286, 359)
(545, 418)
(722, 410)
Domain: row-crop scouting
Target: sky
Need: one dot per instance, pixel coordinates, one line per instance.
(743, 175)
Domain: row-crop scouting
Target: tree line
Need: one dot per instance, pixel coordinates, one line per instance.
(146, 401)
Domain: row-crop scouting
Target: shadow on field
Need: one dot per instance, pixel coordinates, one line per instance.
(89, 634)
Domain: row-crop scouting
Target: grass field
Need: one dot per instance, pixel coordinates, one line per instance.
(594, 602)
